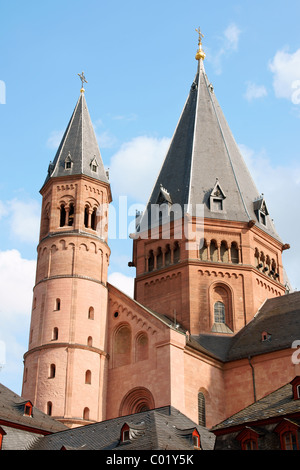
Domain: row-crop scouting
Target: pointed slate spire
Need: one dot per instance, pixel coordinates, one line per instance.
(78, 152)
(203, 151)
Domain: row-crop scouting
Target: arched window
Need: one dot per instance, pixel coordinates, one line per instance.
(141, 347)
(159, 258)
(221, 308)
(137, 400)
(91, 313)
(62, 221)
(213, 251)
(49, 408)
(94, 219)
(86, 216)
(88, 377)
(71, 215)
(234, 253)
(201, 409)
(224, 252)
(219, 312)
(168, 255)
(90, 341)
(151, 261)
(203, 251)
(57, 304)
(122, 346)
(86, 413)
(176, 256)
(52, 371)
(55, 333)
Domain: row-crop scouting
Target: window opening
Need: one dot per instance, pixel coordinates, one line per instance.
(62, 216)
(201, 409)
(219, 312)
(71, 215)
(49, 408)
(86, 217)
(52, 371)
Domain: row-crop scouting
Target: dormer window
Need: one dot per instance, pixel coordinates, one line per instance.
(163, 206)
(261, 211)
(265, 336)
(196, 439)
(217, 198)
(2, 433)
(296, 387)
(125, 433)
(68, 162)
(94, 165)
(28, 409)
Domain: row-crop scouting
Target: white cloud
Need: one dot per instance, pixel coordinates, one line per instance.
(255, 91)
(286, 69)
(229, 43)
(135, 166)
(55, 139)
(16, 283)
(281, 188)
(3, 210)
(232, 35)
(122, 282)
(24, 219)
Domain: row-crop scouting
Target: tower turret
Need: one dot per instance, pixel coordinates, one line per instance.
(64, 367)
(217, 283)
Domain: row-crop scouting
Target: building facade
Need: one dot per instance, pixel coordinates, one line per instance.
(209, 271)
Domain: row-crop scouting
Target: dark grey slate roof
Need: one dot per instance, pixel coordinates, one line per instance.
(79, 145)
(203, 150)
(277, 404)
(162, 428)
(12, 411)
(279, 317)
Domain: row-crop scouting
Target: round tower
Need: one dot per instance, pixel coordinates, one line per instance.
(64, 367)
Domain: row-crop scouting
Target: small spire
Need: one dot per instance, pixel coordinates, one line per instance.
(200, 53)
(83, 80)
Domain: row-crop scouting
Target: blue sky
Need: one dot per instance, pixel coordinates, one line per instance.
(138, 58)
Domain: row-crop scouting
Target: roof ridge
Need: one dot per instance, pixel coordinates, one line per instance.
(227, 150)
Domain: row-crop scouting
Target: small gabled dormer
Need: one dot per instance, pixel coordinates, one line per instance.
(217, 198)
(196, 439)
(261, 211)
(94, 165)
(125, 433)
(2, 433)
(68, 162)
(296, 387)
(28, 408)
(164, 196)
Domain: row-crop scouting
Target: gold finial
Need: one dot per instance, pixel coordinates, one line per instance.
(83, 80)
(200, 54)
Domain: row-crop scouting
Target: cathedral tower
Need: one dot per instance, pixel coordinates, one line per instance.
(205, 194)
(65, 365)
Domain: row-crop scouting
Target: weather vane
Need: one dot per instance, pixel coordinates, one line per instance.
(83, 80)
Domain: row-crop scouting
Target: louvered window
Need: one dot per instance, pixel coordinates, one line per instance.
(201, 409)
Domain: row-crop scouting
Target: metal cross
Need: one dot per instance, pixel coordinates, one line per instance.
(200, 35)
(82, 78)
